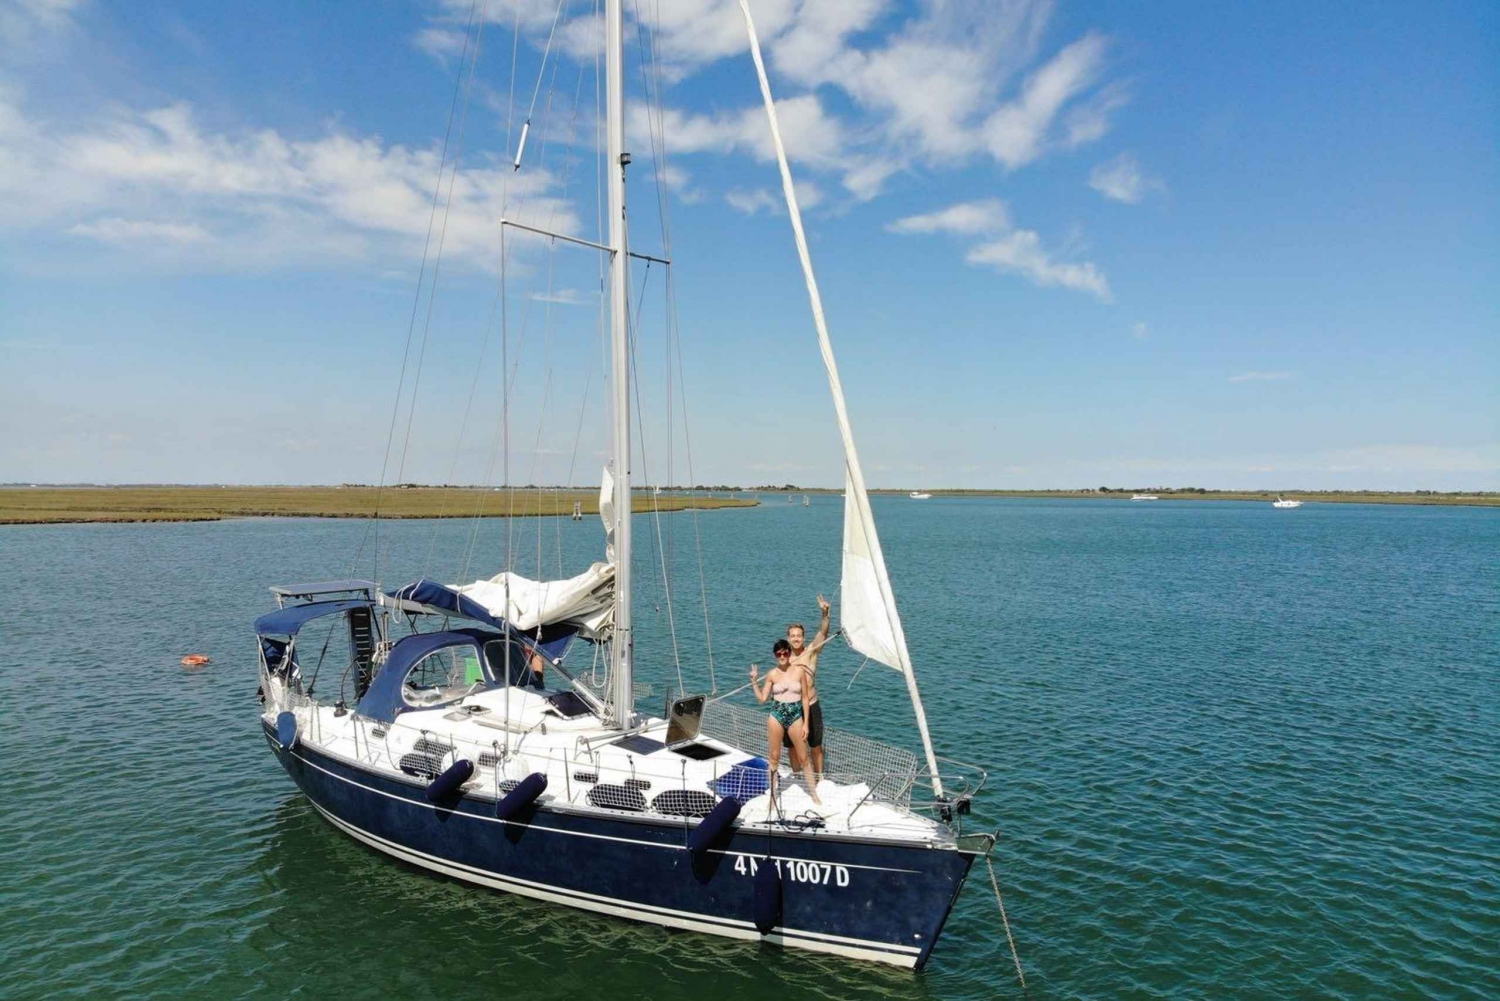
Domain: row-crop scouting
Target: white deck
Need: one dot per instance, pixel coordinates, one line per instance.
(512, 733)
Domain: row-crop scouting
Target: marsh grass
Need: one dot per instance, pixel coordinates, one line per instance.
(60, 505)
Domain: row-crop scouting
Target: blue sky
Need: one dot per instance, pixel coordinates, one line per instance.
(1059, 245)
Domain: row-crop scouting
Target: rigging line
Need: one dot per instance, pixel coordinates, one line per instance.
(510, 492)
(542, 70)
(656, 175)
(548, 328)
(510, 119)
(509, 375)
(442, 242)
(489, 328)
(657, 134)
(372, 526)
(635, 377)
(697, 533)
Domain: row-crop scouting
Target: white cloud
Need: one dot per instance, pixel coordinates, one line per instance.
(1007, 249)
(444, 43)
(687, 34)
(1139, 330)
(25, 23)
(562, 297)
(1020, 252)
(117, 230)
(1262, 376)
(965, 219)
(1122, 180)
(752, 202)
(155, 179)
(680, 183)
(810, 135)
(931, 90)
(933, 78)
(1020, 131)
(809, 195)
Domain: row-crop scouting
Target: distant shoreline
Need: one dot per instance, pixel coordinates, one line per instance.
(129, 504)
(1424, 497)
(23, 505)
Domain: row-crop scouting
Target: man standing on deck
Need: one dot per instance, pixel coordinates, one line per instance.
(807, 656)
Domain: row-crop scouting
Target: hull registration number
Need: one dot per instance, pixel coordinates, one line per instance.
(796, 870)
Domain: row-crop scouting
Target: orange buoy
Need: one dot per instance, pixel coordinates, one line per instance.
(194, 660)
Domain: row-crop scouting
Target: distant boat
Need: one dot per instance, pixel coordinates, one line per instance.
(1282, 502)
(919, 495)
(805, 501)
(1145, 497)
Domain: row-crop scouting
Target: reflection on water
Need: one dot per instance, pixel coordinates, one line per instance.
(1233, 754)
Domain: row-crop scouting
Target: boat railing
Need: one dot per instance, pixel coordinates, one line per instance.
(890, 772)
(864, 771)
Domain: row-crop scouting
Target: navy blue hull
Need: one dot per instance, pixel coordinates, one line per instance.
(846, 895)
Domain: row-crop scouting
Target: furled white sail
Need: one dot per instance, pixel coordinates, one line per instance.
(586, 600)
(607, 513)
(866, 589)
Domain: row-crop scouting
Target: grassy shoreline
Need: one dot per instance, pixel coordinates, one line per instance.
(83, 505)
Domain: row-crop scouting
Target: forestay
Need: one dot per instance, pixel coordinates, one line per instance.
(868, 612)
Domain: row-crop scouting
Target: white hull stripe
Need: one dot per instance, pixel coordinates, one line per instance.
(560, 830)
(898, 955)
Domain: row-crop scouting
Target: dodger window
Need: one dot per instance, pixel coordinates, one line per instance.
(443, 675)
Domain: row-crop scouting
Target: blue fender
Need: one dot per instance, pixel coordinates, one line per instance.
(713, 825)
(767, 896)
(448, 782)
(286, 730)
(522, 796)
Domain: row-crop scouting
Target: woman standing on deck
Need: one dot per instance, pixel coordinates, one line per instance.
(788, 686)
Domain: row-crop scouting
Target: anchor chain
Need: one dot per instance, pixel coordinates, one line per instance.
(1006, 922)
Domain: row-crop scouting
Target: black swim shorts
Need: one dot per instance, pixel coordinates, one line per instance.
(814, 727)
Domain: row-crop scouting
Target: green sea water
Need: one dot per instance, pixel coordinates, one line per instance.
(1234, 753)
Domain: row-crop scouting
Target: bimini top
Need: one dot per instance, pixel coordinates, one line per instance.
(286, 621)
(478, 662)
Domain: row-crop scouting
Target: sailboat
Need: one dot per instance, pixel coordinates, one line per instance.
(464, 741)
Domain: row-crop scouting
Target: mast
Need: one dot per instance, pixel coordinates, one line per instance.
(622, 646)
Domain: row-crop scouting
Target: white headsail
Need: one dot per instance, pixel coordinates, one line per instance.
(868, 608)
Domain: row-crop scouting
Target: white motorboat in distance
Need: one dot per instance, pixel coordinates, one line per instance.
(1283, 502)
(1145, 497)
(919, 495)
